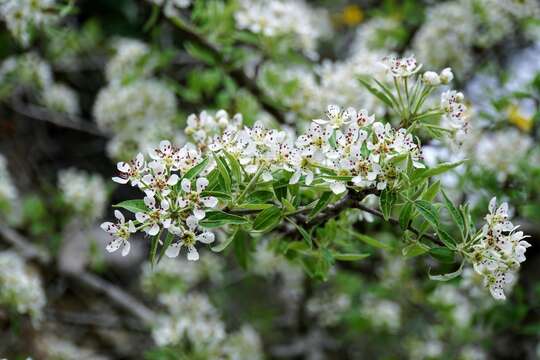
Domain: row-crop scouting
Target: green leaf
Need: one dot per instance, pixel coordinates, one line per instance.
(194, 171)
(324, 200)
(421, 174)
(414, 249)
(431, 191)
(235, 167)
(428, 212)
(222, 246)
(153, 249)
(350, 256)
(448, 276)
(405, 216)
(386, 201)
(243, 246)
(442, 254)
(215, 219)
(305, 235)
(370, 241)
(379, 94)
(224, 173)
(252, 206)
(267, 219)
(456, 215)
(260, 196)
(135, 205)
(447, 239)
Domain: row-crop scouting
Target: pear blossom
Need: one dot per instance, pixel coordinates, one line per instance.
(401, 67)
(431, 78)
(120, 233)
(193, 197)
(336, 118)
(189, 236)
(130, 172)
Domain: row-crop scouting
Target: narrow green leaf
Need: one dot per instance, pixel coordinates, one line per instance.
(405, 215)
(215, 219)
(252, 206)
(434, 171)
(135, 205)
(260, 196)
(224, 173)
(386, 201)
(243, 247)
(414, 249)
(370, 241)
(431, 191)
(235, 167)
(428, 212)
(350, 256)
(447, 239)
(442, 254)
(267, 219)
(305, 235)
(194, 171)
(222, 246)
(324, 200)
(448, 276)
(379, 94)
(457, 217)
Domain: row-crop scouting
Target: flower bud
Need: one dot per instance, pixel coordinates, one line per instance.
(431, 78)
(446, 75)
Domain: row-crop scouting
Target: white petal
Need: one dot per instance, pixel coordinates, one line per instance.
(199, 213)
(123, 167)
(338, 187)
(193, 254)
(296, 176)
(154, 230)
(186, 185)
(114, 245)
(206, 237)
(192, 222)
(141, 217)
(126, 248)
(119, 216)
(173, 250)
(173, 180)
(209, 201)
(120, 180)
(309, 177)
(201, 184)
(109, 227)
(492, 205)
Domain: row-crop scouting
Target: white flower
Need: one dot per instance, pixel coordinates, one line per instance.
(336, 117)
(85, 193)
(154, 217)
(158, 181)
(132, 171)
(446, 75)
(120, 233)
(401, 67)
(193, 197)
(61, 98)
(431, 78)
(188, 237)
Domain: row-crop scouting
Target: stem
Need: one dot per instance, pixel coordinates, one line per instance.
(250, 184)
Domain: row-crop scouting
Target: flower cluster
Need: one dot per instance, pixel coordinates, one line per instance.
(131, 57)
(454, 109)
(349, 143)
(29, 71)
(22, 289)
(382, 313)
(23, 16)
(284, 18)
(177, 209)
(500, 250)
(193, 318)
(138, 114)
(401, 67)
(83, 192)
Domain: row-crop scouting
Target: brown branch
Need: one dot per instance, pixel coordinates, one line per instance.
(92, 281)
(62, 120)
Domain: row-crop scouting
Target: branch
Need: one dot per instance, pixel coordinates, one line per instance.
(62, 120)
(112, 292)
(238, 75)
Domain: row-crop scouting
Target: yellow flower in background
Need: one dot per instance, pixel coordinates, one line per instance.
(352, 15)
(516, 117)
